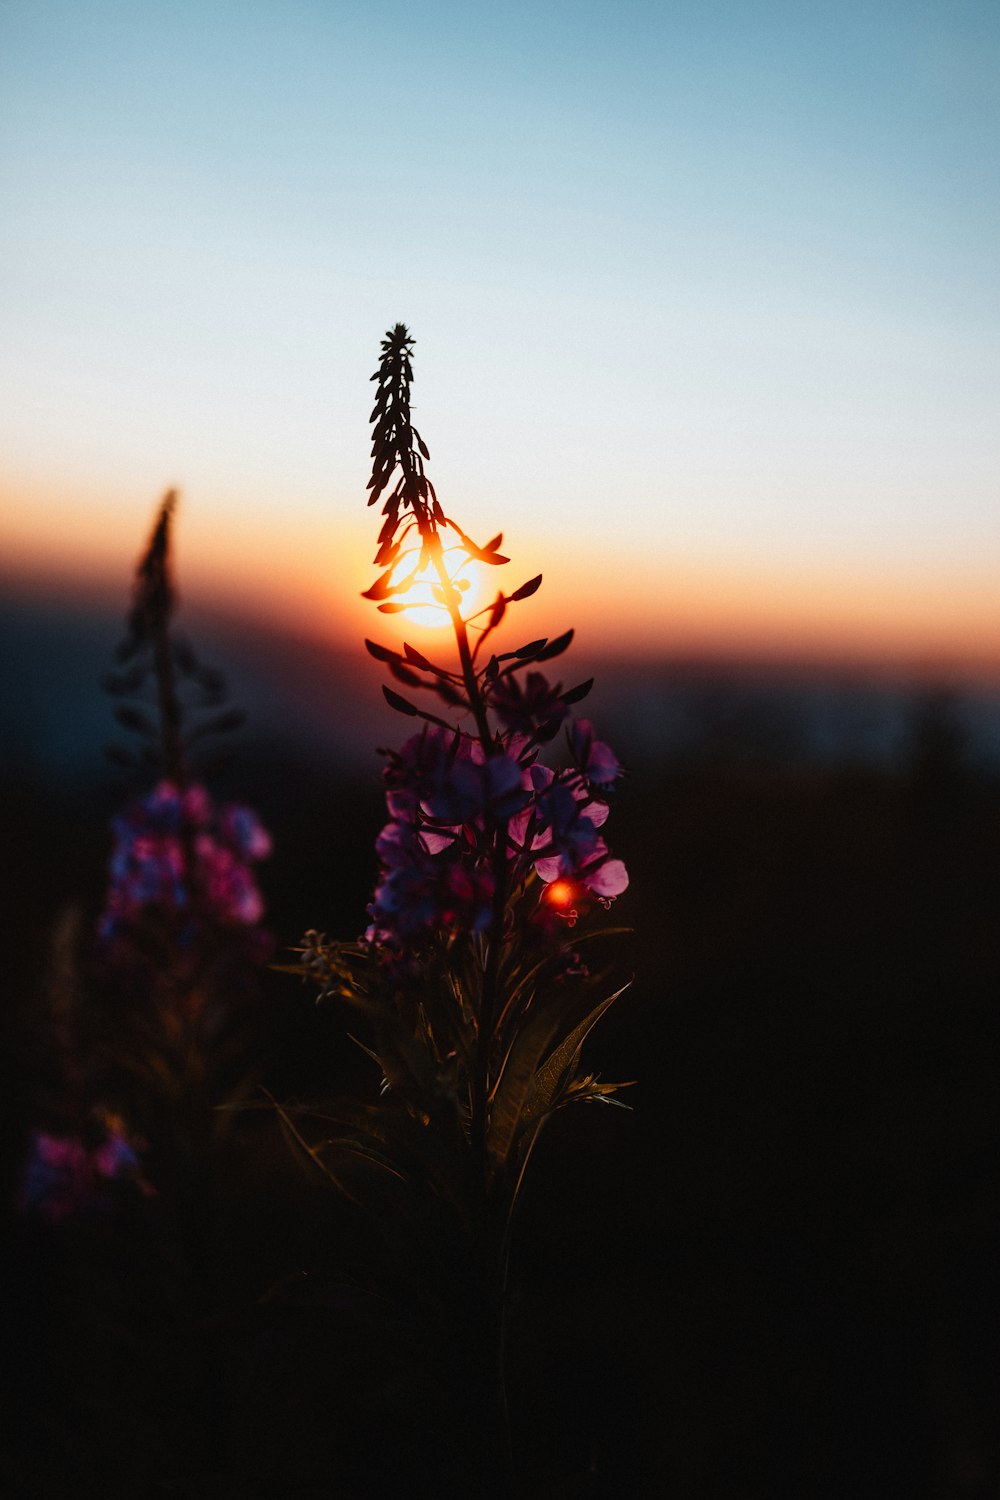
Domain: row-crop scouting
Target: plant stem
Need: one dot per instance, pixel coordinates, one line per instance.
(488, 1000)
(432, 541)
(496, 1479)
(169, 706)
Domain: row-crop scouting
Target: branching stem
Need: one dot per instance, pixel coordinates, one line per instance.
(489, 997)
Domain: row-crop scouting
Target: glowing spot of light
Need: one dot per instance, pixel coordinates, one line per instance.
(560, 893)
(423, 597)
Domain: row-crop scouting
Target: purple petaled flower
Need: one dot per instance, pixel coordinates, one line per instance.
(226, 884)
(174, 852)
(147, 870)
(429, 895)
(65, 1178)
(446, 797)
(443, 793)
(564, 843)
(243, 830)
(196, 807)
(595, 760)
(452, 778)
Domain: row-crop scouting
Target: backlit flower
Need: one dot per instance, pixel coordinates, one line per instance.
(174, 852)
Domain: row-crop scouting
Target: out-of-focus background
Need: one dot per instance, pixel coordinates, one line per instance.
(704, 295)
(706, 317)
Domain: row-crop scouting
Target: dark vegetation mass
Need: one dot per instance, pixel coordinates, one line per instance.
(774, 1278)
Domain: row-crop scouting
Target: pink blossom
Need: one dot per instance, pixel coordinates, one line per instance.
(175, 852)
(596, 760)
(65, 1178)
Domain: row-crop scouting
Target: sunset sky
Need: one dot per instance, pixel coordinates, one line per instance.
(706, 301)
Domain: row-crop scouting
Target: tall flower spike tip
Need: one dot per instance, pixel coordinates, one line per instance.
(398, 449)
(155, 596)
(399, 453)
(177, 701)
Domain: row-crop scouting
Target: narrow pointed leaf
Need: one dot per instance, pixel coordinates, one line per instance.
(387, 554)
(527, 589)
(380, 653)
(380, 588)
(556, 647)
(414, 656)
(399, 704)
(560, 1063)
(580, 691)
(516, 1079)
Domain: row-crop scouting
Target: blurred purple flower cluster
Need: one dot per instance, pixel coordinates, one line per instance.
(175, 852)
(446, 797)
(64, 1178)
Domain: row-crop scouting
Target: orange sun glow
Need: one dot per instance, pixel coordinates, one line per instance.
(424, 599)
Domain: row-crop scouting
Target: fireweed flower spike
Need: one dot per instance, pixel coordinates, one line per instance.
(491, 859)
(177, 859)
(179, 942)
(175, 853)
(151, 1020)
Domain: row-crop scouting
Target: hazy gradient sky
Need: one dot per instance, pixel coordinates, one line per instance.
(706, 299)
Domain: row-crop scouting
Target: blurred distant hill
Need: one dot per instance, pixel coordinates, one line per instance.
(56, 719)
(320, 702)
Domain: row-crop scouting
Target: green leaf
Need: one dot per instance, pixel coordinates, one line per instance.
(407, 1063)
(312, 1152)
(552, 1076)
(517, 1076)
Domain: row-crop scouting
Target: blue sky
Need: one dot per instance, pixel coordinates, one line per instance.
(697, 285)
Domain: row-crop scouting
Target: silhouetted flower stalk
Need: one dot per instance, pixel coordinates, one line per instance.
(149, 625)
(179, 938)
(179, 944)
(177, 858)
(469, 971)
(149, 1023)
(152, 1016)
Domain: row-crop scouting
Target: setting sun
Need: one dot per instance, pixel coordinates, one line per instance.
(424, 600)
